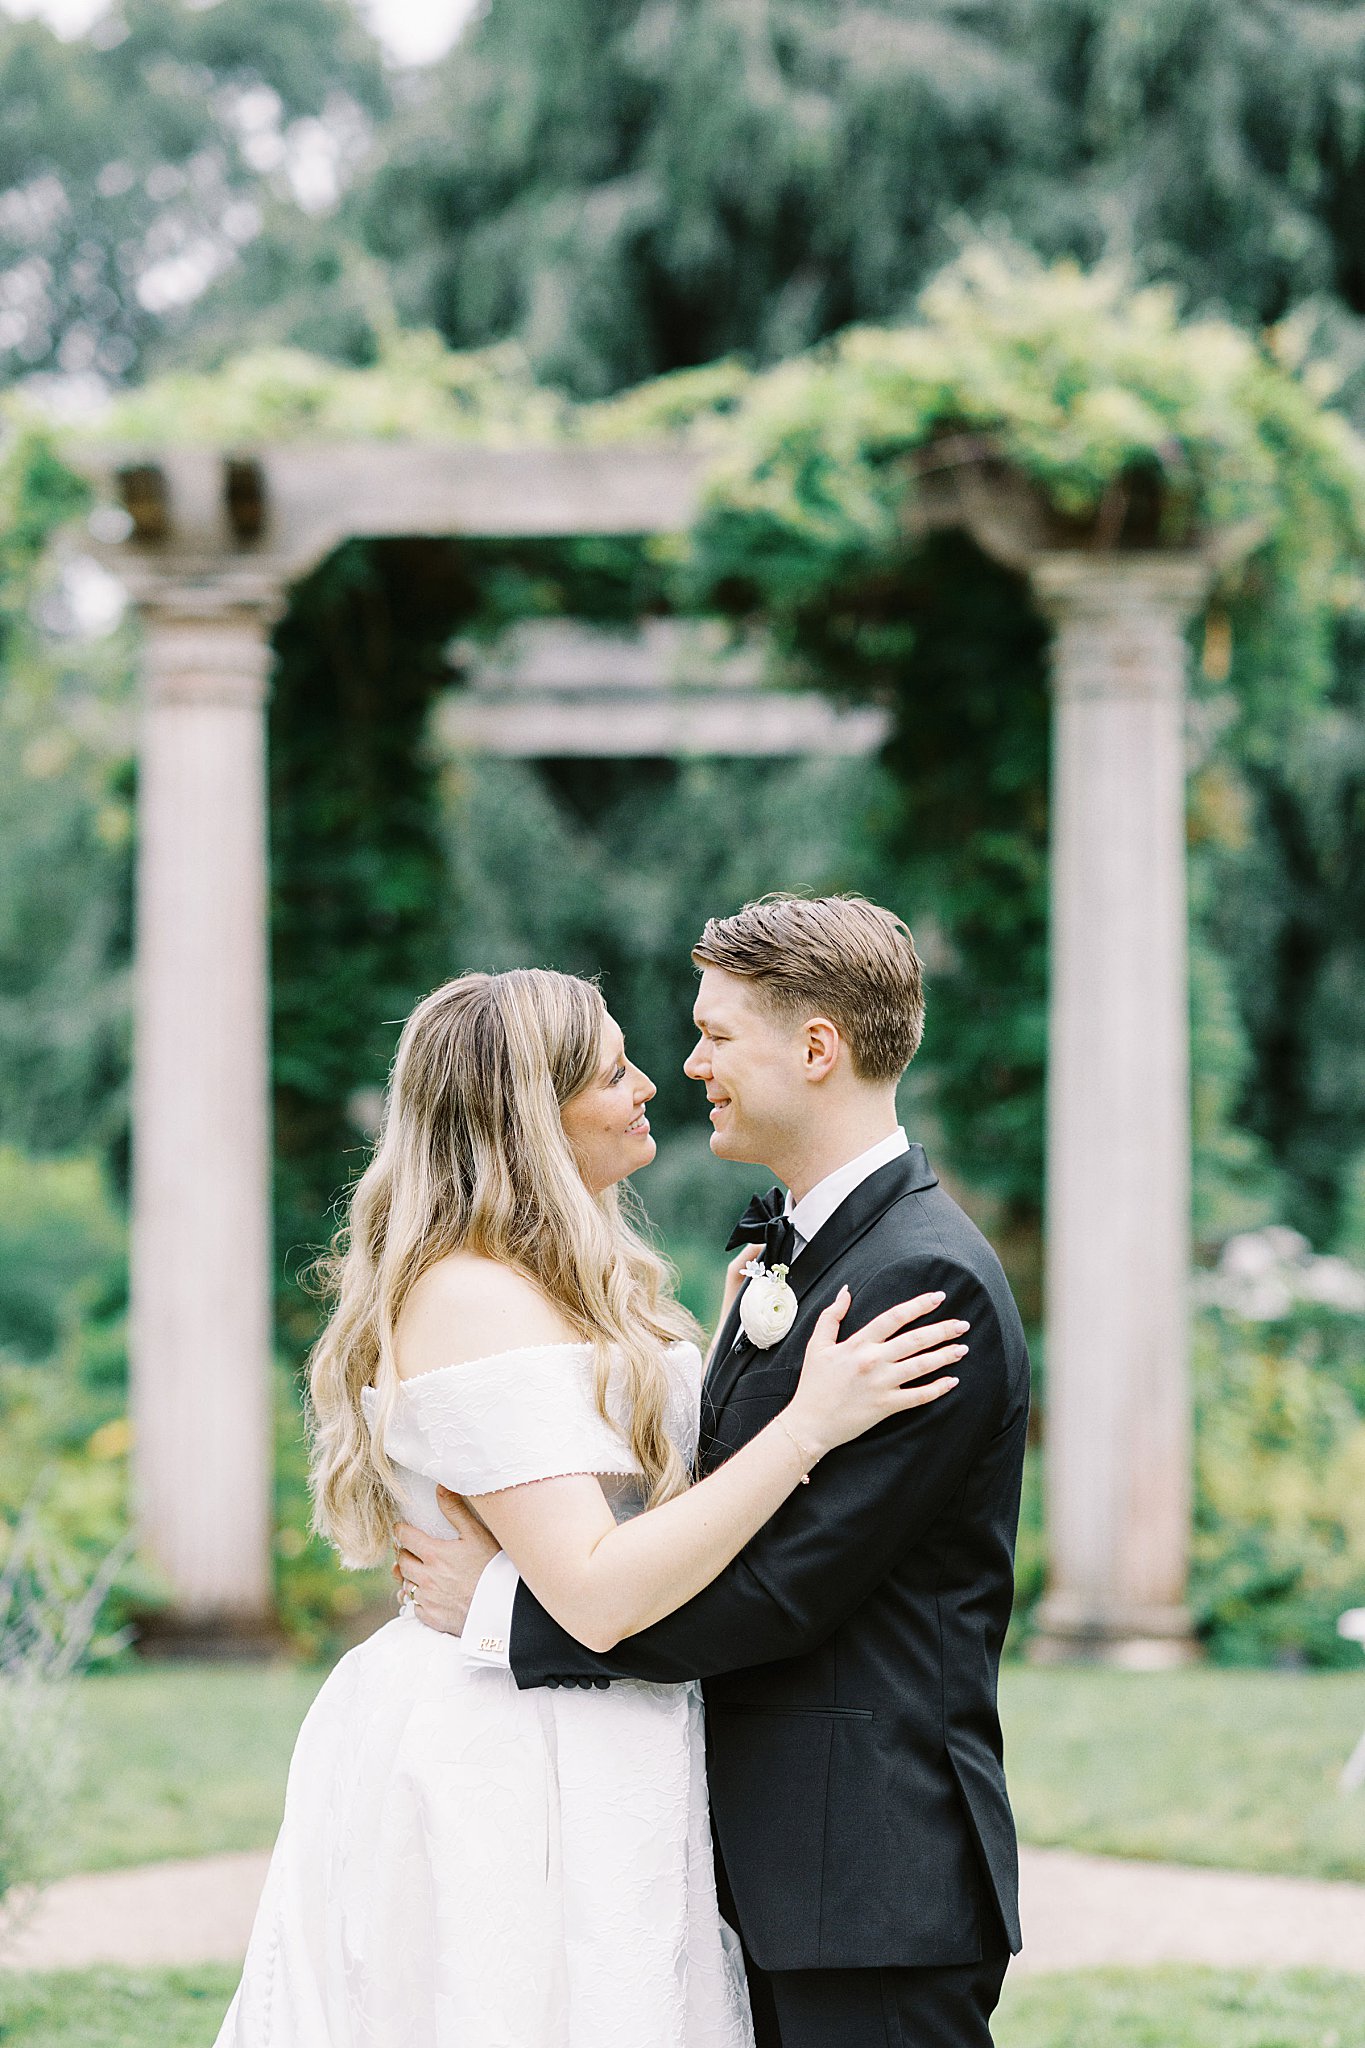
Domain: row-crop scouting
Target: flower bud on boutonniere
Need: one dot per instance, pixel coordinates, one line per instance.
(767, 1307)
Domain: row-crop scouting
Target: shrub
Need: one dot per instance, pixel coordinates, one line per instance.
(1280, 1451)
(64, 1436)
(49, 1614)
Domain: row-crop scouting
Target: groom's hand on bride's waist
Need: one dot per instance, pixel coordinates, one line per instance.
(441, 1572)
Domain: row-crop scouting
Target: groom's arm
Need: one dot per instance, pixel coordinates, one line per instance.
(832, 1543)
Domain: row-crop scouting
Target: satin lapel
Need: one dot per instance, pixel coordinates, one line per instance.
(727, 1371)
(854, 1216)
(725, 1338)
(730, 1363)
(908, 1175)
(720, 1363)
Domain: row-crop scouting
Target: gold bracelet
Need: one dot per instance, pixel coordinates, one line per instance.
(806, 1459)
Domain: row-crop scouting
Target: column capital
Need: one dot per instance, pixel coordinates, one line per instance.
(208, 642)
(1120, 621)
(1069, 584)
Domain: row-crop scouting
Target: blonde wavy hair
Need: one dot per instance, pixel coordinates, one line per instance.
(472, 1156)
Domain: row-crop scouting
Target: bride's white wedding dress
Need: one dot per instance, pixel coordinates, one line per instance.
(463, 1865)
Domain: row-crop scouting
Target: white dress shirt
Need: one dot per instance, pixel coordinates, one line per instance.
(816, 1207)
(487, 1632)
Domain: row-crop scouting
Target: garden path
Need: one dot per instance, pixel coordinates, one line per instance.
(1079, 1912)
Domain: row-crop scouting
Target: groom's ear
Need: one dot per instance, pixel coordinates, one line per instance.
(820, 1047)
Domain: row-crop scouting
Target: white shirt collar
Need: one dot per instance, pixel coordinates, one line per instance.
(816, 1207)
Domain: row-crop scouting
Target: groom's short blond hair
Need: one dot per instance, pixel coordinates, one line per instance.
(839, 957)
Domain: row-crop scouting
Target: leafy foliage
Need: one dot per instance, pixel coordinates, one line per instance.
(65, 833)
(63, 1369)
(65, 837)
(632, 186)
(135, 162)
(1131, 422)
(1287, 912)
(416, 390)
(65, 829)
(954, 646)
(635, 188)
(1280, 1517)
(356, 861)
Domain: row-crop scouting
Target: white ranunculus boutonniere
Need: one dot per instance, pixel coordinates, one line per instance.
(767, 1307)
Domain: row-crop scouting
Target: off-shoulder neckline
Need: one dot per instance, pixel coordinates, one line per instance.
(516, 1351)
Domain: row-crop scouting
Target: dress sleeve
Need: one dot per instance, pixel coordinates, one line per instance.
(507, 1420)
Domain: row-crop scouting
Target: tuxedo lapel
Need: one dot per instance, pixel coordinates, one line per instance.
(857, 1213)
(854, 1216)
(725, 1339)
(730, 1363)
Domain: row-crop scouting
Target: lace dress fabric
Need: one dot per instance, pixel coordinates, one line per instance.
(463, 1865)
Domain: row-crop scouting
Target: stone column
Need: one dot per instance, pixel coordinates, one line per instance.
(1118, 1422)
(201, 1258)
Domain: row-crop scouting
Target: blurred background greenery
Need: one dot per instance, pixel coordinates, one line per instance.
(593, 193)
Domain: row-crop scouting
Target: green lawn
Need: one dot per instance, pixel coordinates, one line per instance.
(115, 2008)
(1103, 2009)
(1203, 1766)
(183, 1760)
(1233, 1767)
(1183, 2009)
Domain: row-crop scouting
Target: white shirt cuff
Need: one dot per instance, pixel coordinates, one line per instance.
(487, 1632)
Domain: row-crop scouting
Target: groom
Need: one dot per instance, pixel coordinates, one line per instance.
(865, 1847)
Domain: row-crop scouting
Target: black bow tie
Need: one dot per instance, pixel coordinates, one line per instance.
(766, 1222)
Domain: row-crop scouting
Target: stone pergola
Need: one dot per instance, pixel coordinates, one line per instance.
(212, 547)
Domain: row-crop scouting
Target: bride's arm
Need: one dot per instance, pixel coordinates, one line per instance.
(601, 1581)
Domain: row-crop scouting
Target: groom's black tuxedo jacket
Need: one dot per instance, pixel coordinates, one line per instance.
(851, 1651)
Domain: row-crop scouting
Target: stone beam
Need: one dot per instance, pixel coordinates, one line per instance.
(770, 723)
(305, 499)
(671, 686)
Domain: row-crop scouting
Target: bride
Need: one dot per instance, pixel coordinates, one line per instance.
(460, 1864)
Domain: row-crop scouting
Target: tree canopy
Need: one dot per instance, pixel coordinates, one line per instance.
(631, 186)
(138, 161)
(627, 187)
